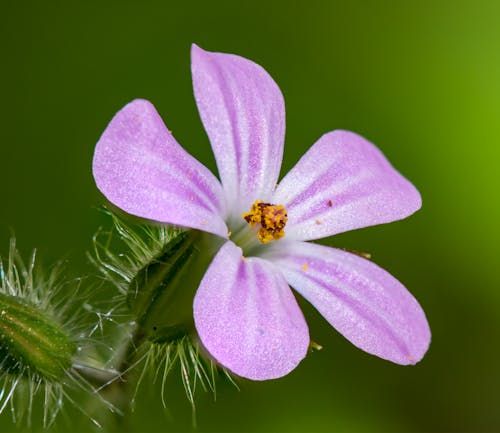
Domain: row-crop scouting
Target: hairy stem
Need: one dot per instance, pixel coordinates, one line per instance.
(117, 385)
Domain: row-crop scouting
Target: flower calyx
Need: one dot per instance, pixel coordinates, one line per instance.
(161, 294)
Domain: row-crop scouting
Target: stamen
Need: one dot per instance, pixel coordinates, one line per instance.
(271, 218)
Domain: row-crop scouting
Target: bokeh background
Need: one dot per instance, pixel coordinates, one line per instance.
(419, 79)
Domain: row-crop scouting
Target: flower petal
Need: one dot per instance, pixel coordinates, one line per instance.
(139, 166)
(343, 183)
(362, 301)
(247, 316)
(243, 112)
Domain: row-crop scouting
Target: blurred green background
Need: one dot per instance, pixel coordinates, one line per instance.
(419, 79)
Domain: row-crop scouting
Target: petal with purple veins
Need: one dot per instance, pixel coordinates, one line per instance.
(343, 183)
(362, 301)
(247, 316)
(243, 112)
(139, 167)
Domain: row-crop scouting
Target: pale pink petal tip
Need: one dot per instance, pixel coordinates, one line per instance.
(139, 167)
(248, 318)
(343, 183)
(367, 305)
(243, 112)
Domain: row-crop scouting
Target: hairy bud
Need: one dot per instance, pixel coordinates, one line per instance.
(32, 341)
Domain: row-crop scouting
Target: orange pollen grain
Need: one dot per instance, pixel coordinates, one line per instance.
(270, 217)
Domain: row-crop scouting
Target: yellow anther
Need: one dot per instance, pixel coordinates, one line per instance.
(272, 219)
(264, 236)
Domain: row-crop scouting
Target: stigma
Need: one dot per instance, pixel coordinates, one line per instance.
(271, 218)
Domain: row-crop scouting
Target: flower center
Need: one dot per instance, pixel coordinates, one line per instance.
(272, 219)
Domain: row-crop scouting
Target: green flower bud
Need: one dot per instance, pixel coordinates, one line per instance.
(31, 341)
(45, 351)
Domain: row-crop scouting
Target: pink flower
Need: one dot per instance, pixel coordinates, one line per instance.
(244, 311)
